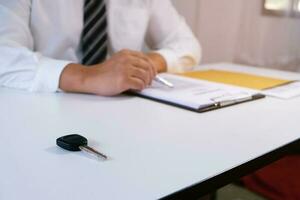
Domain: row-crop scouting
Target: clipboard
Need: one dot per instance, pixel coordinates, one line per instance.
(198, 95)
(216, 106)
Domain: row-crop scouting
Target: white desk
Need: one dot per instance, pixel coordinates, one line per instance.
(156, 149)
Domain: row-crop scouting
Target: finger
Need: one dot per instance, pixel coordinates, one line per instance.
(141, 64)
(136, 84)
(153, 70)
(137, 54)
(142, 60)
(145, 58)
(141, 74)
(149, 61)
(150, 65)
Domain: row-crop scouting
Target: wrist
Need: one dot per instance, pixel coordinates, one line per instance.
(73, 78)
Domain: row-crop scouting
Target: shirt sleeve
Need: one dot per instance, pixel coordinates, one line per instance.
(20, 66)
(169, 35)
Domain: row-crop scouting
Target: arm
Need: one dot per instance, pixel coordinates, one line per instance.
(20, 66)
(169, 36)
(125, 70)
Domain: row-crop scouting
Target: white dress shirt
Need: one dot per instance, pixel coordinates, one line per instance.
(38, 38)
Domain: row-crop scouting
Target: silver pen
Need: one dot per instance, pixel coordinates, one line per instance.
(163, 81)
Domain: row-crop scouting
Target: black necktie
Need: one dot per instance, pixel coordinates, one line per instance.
(94, 35)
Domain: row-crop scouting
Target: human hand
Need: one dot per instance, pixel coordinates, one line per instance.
(125, 70)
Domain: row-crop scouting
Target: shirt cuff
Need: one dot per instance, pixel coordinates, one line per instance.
(175, 64)
(48, 75)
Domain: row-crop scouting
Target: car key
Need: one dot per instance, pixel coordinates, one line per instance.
(77, 143)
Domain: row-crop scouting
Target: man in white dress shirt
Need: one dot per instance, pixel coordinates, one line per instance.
(43, 44)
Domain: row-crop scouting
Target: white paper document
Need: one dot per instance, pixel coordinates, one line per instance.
(197, 94)
(286, 91)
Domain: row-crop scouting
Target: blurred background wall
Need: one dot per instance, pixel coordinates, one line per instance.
(237, 31)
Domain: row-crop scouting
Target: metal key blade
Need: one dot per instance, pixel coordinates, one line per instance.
(93, 151)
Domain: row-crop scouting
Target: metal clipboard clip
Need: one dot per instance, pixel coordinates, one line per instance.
(230, 99)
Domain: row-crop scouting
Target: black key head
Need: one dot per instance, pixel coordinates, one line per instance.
(71, 142)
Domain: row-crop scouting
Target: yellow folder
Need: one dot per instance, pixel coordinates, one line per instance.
(237, 79)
